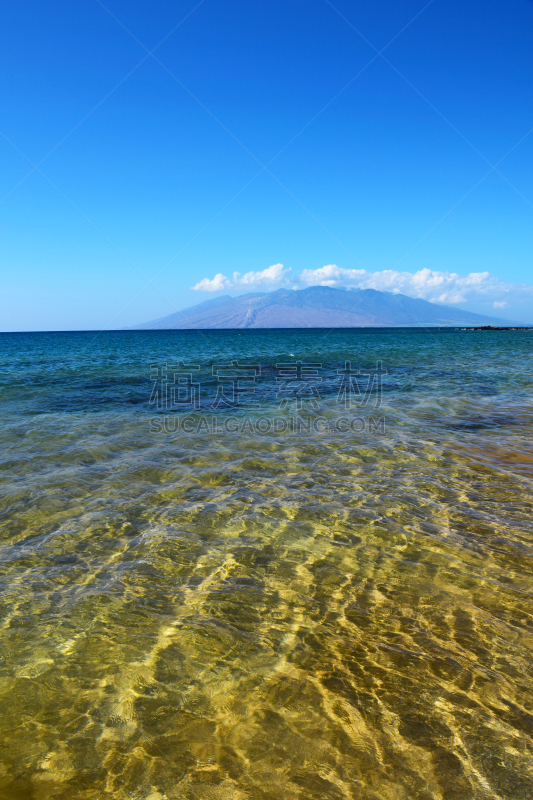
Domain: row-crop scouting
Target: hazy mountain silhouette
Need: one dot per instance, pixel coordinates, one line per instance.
(318, 307)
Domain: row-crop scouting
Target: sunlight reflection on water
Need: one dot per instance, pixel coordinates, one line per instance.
(267, 616)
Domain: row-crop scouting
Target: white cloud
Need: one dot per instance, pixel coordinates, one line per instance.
(268, 278)
(427, 284)
(217, 283)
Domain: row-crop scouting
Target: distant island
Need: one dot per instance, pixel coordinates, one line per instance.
(499, 328)
(319, 307)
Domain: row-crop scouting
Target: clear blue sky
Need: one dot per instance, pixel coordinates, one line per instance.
(162, 156)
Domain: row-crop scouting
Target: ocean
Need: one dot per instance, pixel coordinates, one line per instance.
(266, 565)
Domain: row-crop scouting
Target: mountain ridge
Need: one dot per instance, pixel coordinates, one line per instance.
(318, 307)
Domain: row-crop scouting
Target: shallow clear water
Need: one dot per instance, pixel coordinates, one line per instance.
(272, 610)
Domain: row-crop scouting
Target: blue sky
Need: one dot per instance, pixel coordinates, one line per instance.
(379, 167)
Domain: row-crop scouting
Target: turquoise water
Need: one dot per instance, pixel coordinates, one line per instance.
(309, 593)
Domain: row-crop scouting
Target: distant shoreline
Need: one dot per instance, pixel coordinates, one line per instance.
(432, 327)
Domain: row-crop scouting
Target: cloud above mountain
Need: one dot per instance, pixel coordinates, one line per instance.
(426, 284)
(270, 278)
